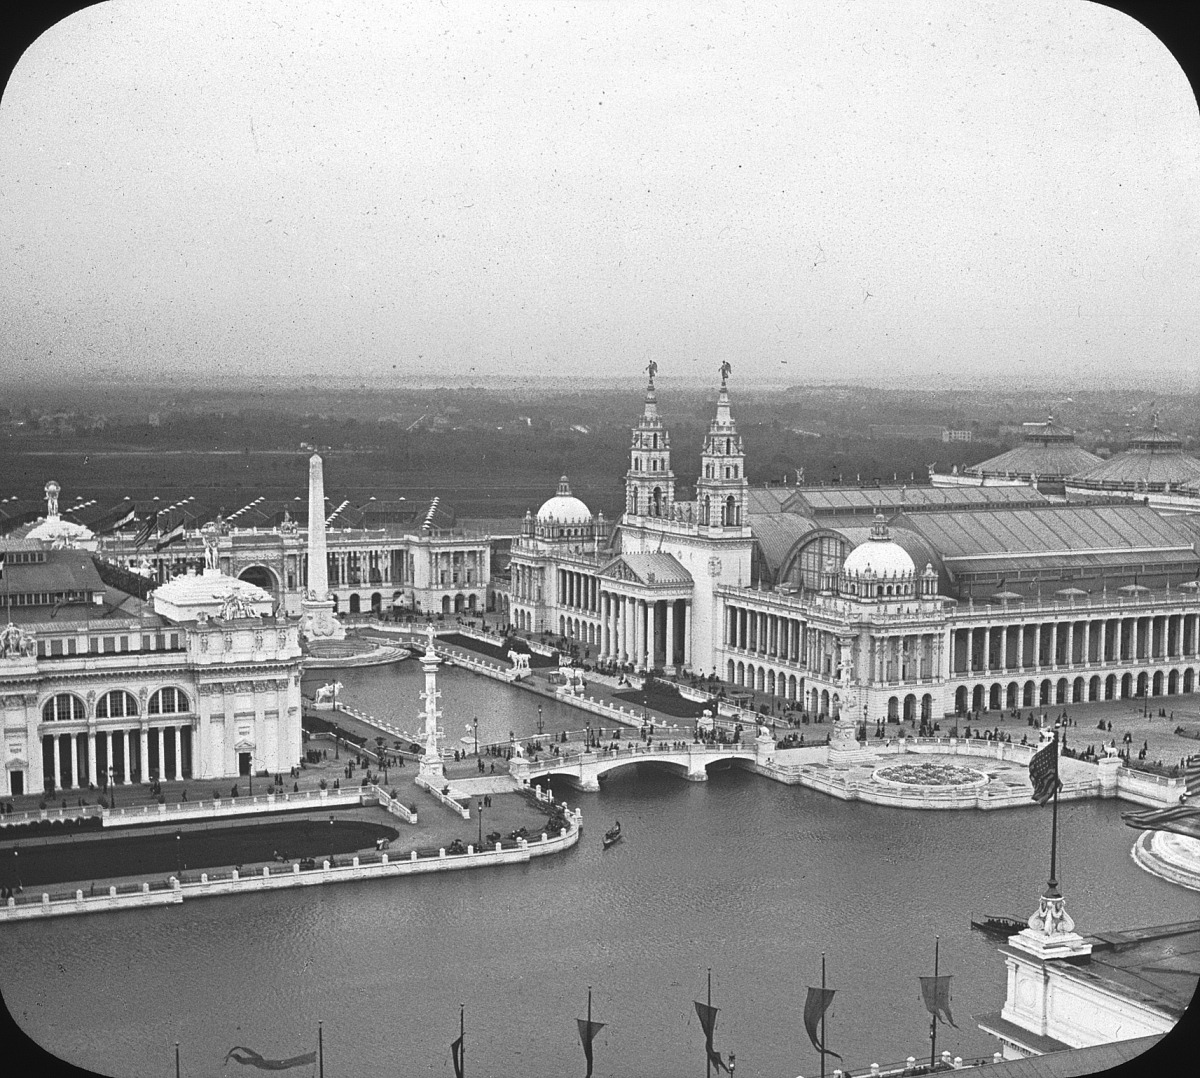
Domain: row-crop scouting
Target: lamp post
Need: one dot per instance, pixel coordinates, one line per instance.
(179, 854)
(476, 735)
(112, 789)
(479, 810)
(541, 725)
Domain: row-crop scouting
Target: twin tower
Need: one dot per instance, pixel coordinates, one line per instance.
(721, 489)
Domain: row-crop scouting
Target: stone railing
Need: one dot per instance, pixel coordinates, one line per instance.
(272, 877)
(444, 798)
(137, 815)
(393, 804)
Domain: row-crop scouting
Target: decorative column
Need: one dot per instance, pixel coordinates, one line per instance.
(144, 760)
(91, 751)
(651, 632)
(176, 770)
(687, 633)
(431, 767)
(74, 753)
(669, 659)
(57, 763)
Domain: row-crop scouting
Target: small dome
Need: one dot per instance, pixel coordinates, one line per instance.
(564, 507)
(880, 554)
(62, 532)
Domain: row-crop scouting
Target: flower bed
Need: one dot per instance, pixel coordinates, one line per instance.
(930, 774)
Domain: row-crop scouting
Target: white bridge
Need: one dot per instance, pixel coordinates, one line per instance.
(585, 768)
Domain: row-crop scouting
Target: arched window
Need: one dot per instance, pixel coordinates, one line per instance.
(728, 442)
(116, 705)
(168, 701)
(65, 707)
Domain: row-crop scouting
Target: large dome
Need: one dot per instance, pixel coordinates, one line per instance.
(880, 555)
(564, 507)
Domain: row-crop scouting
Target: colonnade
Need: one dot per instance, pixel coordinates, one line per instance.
(1103, 641)
(131, 754)
(645, 633)
(773, 635)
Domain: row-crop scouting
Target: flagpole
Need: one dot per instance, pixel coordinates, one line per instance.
(933, 1023)
(1052, 890)
(176, 1059)
(320, 1051)
(707, 1061)
(823, 1040)
(462, 1042)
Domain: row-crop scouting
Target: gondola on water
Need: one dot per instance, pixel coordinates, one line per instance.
(612, 835)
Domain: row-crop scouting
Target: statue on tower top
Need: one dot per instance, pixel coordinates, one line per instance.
(52, 492)
(726, 371)
(652, 370)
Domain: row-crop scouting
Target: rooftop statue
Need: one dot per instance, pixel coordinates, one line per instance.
(652, 369)
(726, 371)
(52, 491)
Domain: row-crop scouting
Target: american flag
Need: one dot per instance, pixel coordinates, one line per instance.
(1191, 778)
(1180, 819)
(1043, 773)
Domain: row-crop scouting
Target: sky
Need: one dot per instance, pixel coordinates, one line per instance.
(930, 192)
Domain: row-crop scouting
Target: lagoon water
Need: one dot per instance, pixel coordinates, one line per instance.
(740, 874)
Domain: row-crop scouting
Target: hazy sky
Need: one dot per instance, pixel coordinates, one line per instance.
(938, 191)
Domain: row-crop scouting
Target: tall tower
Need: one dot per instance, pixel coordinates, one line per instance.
(650, 483)
(722, 490)
(318, 621)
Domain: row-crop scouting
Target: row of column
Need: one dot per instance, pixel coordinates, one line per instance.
(124, 751)
(895, 659)
(1050, 645)
(631, 629)
(578, 591)
(527, 583)
(774, 635)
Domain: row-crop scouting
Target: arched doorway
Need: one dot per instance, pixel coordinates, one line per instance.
(262, 577)
(893, 712)
(376, 603)
(445, 604)
(977, 698)
(1157, 690)
(1013, 696)
(355, 603)
(460, 603)
(1027, 697)
(926, 708)
(960, 700)
(994, 697)
(910, 707)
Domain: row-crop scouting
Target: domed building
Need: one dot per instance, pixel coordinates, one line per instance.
(564, 515)
(1047, 452)
(564, 529)
(881, 569)
(57, 533)
(1154, 463)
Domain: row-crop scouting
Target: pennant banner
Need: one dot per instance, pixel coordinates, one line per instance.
(253, 1059)
(1179, 819)
(815, 1006)
(936, 991)
(587, 1032)
(456, 1053)
(1043, 773)
(708, 1022)
(173, 536)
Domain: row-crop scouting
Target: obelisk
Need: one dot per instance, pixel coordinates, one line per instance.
(318, 621)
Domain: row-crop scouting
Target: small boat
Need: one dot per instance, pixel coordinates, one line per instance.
(1000, 926)
(612, 835)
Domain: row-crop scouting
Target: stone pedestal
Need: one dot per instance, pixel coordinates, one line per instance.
(432, 770)
(319, 622)
(1109, 766)
(1051, 932)
(844, 747)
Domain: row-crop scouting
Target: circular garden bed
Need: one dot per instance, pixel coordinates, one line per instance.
(930, 775)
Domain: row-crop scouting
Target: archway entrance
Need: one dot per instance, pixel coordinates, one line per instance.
(262, 577)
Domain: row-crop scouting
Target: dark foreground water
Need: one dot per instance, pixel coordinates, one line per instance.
(741, 874)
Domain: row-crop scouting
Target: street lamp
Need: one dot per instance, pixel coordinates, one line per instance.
(179, 854)
(112, 789)
(541, 724)
(476, 735)
(479, 810)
